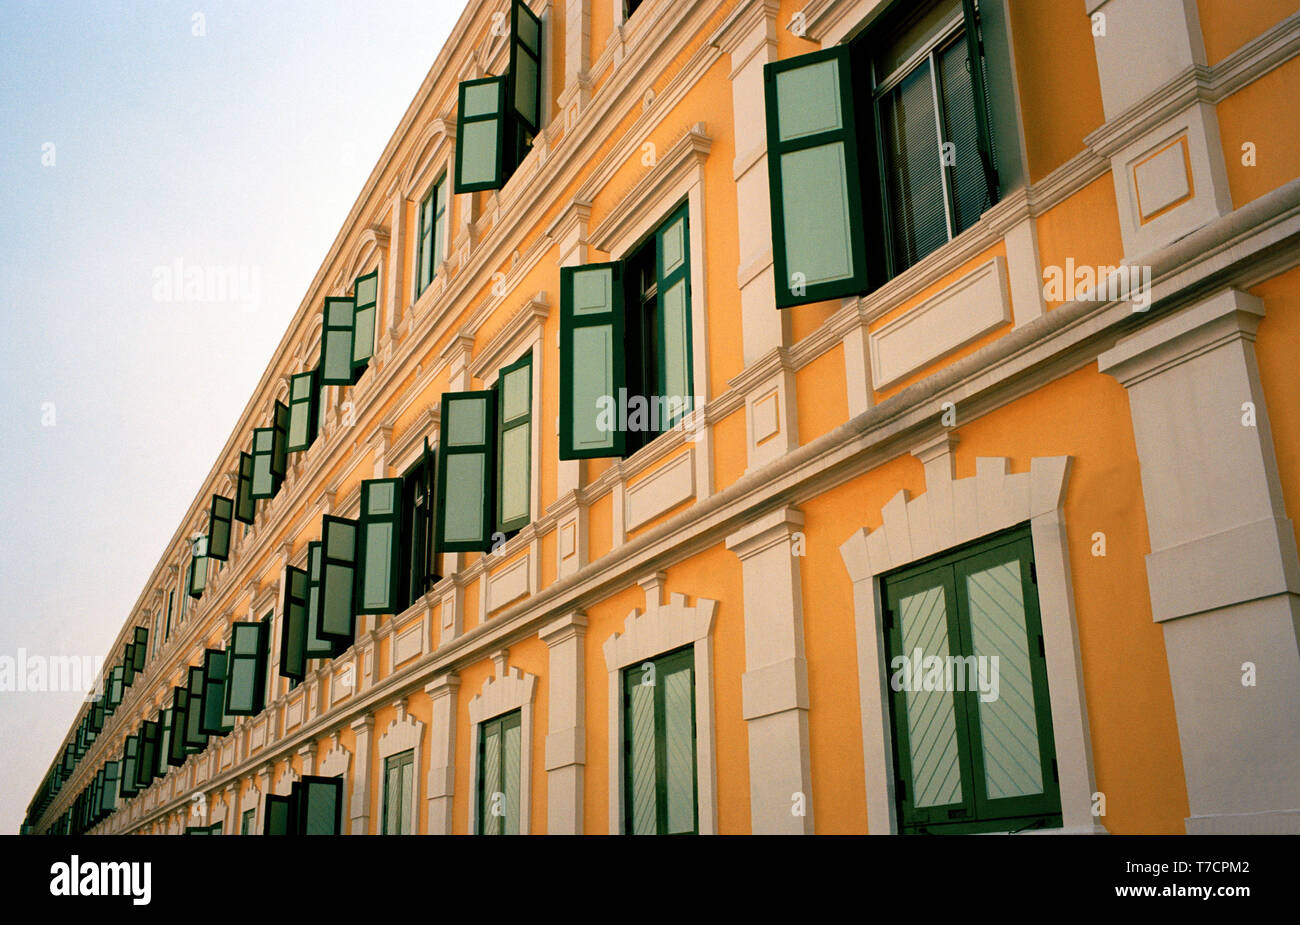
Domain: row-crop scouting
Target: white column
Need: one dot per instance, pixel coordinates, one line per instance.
(442, 752)
(359, 801)
(774, 688)
(1223, 570)
(566, 745)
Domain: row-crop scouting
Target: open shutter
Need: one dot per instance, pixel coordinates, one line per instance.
(818, 244)
(246, 668)
(673, 284)
(293, 628)
(465, 493)
(593, 370)
(480, 134)
(219, 522)
(130, 755)
(277, 817)
(336, 342)
(365, 295)
(380, 529)
(979, 89)
(176, 750)
(96, 715)
(428, 545)
(214, 721)
(320, 805)
(141, 646)
(318, 646)
(199, 568)
(525, 76)
(195, 739)
(280, 443)
(128, 665)
(514, 445)
(302, 411)
(147, 765)
(113, 772)
(338, 579)
(245, 504)
(264, 481)
(164, 740)
(114, 691)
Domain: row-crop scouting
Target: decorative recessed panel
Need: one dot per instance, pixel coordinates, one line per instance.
(661, 490)
(1162, 179)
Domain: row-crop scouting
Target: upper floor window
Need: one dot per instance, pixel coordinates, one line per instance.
(432, 244)
(864, 185)
(971, 717)
(625, 346)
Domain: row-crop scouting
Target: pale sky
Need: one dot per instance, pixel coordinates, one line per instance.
(128, 143)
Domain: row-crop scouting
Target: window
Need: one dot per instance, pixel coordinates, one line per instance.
(625, 346)
(130, 755)
(176, 750)
(417, 567)
(245, 504)
(293, 628)
(349, 334)
(171, 600)
(630, 7)
(141, 646)
(659, 742)
(246, 667)
(246, 823)
(380, 526)
(195, 738)
(865, 185)
(314, 806)
(365, 298)
(147, 763)
(399, 811)
(128, 665)
(198, 571)
(971, 719)
(468, 448)
(219, 520)
(164, 739)
(338, 580)
(514, 390)
(498, 785)
(432, 244)
(498, 117)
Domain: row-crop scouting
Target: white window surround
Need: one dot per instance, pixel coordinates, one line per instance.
(502, 693)
(404, 733)
(338, 763)
(436, 160)
(951, 513)
(663, 628)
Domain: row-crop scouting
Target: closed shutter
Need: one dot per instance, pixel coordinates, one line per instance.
(293, 629)
(245, 504)
(365, 297)
(593, 373)
(514, 445)
(147, 766)
(480, 134)
(338, 579)
(336, 342)
(818, 246)
(219, 523)
(128, 665)
(465, 495)
(380, 529)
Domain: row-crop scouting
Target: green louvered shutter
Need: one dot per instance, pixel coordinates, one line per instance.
(465, 492)
(364, 314)
(280, 443)
(264, 481)
(380, 531)
(302, 411)
(480, 134)
(336, 342)
(219, 522)
(318, 646)
(338, 579)
(525, 85)
(141, 647)
(320, 805)
(514, 445)
(245, 504)
(246, 668)
(293, 628)
(818, 244)
(593, 368)
(278, 815)
(214, 720)
(199, 568)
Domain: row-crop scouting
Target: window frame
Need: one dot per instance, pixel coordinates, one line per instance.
(662, 665)
(436, 234)
(406, 811)
(502, 722)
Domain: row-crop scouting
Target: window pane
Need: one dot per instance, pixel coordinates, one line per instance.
(966, 173)
(808, 100)
(642, 722)
(480, 100)
(479, 158)
(510, 783)
(674, 248)
(407, 793)
(593, 291)
(526, 86)
(528, 31)
(465, 425)
(338, 354)
(593, 375)
(913, 174)
(514, 394)
(931, 719)
(515, 473)
(379, 552)
(679, 744)
(491, 780)
(815, 204)
(1008, 723)
(464, 517)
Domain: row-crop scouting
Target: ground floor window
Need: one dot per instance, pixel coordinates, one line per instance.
(398, 789)
(499, 742)
(659, 745)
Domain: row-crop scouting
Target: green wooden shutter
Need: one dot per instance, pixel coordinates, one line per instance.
(525, 66)
(480, 134)
(428, 543)
(380, 527)
(130, 758)
(245, 504)
(96, 715)
(465, 493)
(128, 665)
(280, 443)
(320, 805)
(514, 445)
(593, 367)
(164, 739)
(199, 568)
(147, 767)
(365, 296)
(818, 244)
(246, 668)
(338, 579)
(425, 243)
(302, 411)
(195, 739)
(176, 751)
(114, 690)
(336, 342)
(318, 646)
(264, 483)
(219, 523)
(141, 646)
(277, 817)
(214, 721)
(293, 629)
(673, 284)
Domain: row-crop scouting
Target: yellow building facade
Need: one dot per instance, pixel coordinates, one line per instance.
(966, 506)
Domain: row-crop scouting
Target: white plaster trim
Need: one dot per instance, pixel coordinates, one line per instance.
(514, 690)
(950, 514)
(662, 628)
(403, 733)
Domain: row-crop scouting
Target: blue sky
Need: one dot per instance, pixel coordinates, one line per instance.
(243, 146)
